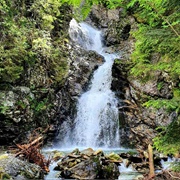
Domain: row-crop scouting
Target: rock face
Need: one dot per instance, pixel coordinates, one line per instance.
(138, 124)
(88, 164)
(16, 111)
(114, 24)
(14, 168)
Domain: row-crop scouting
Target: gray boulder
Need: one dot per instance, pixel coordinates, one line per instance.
(16, 169)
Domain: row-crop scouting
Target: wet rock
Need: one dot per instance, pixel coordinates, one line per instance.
(139, 161)
(138, 123)
(88, 164)
(88, 152)
(114, 158)
(141, 167)
(82, 65)
(14, 168)
(57, 155)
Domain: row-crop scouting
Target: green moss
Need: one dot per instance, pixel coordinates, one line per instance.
(4, 176)
(3, 156)
(132, 153)
(160, 85)
(113, 156)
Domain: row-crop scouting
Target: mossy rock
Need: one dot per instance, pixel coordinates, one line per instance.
(14, 168)
(4, 176)
(113, 156)
(3, 156)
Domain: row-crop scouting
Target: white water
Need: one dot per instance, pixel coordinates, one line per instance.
(166, 164)
(96, 124)
(127, 173)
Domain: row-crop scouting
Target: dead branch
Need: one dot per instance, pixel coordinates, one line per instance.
(31, 152)
(172, 175)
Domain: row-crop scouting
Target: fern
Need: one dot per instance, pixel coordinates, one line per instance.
(169, 105)
(168, 140)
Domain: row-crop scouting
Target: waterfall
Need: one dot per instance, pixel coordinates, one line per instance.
(96, 123)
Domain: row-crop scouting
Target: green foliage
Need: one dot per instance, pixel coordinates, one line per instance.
(176, 167)
(27, 39)
(157, 50)
(160, 85)
(83, 7)
(46, 12)
(39, 106)
(170, 105)
(21, 104)
(158, 33)
(111, 4)
(4, 109)
(168, 140)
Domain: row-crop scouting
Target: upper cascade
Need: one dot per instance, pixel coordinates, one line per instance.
(86, 36)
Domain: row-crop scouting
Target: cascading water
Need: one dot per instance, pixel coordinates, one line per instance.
(96, 124)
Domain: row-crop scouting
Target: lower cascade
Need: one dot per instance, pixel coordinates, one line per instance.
(96, 123)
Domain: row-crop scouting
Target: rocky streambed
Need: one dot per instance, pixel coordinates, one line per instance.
(85, 164)
(98, 164)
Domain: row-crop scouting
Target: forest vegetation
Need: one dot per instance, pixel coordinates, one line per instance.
(32, 35)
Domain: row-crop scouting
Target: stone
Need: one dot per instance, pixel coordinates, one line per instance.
(88, 165)
(99, 151)
(14, 168)
(57, 155)
(88, 152)
(113, 157)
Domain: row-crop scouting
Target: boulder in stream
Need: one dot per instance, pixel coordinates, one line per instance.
(88, 164)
